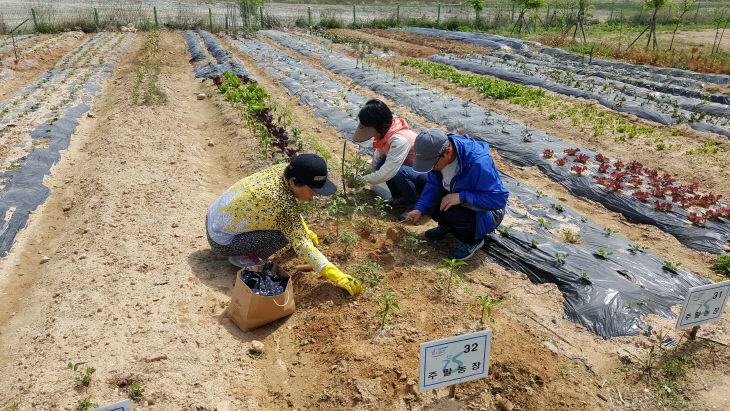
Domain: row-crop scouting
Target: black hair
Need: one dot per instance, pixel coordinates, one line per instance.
(289, 173)
(376, 114)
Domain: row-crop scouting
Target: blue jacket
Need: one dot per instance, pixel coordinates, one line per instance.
(477, 182)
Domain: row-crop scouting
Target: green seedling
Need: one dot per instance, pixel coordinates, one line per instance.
(586, 278)
(584, 219)
(82, 378)
(604, 254)
(534, 243)
(413, 244)
(557, 207)
(13, 406)
(453, 267)
(368, 273)
(355, 168)
(672, 267)
(561, 258)
(608, 231)
(637, 247)
(136, 391)
(504, 230)
(722, 266)
(544, 223)
(540, 194)
(484, 304)
(85, 404)
(347, 239)
(572, 238)
(385, 302)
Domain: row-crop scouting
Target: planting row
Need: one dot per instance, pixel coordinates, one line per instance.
(525, 147)
(38, 121)
(606, 294)
(657, 74)
(616, 92)
(244, 93)
(493, 41)
(225, 61)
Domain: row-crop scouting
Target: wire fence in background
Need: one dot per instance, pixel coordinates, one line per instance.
(49, 16)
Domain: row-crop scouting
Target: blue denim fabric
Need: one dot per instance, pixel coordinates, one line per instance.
(406, 184)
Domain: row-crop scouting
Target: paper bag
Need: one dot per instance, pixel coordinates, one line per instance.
(249, 310)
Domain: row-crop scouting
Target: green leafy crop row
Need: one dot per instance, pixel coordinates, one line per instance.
(488, 87)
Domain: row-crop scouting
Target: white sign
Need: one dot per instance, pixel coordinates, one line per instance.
(124, 405)
(704, 304)
(453, 360)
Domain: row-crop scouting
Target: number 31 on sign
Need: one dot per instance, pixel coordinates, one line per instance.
(703, 304)
(453, 360)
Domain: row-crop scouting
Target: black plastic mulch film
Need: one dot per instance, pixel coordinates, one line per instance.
(24, 190)
(608, 300)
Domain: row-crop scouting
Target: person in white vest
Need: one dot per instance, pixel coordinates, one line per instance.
(393, 156)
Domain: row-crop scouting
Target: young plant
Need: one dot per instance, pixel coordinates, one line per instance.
(484, 304)
(355, 168)
(557, 207)
(544, 223)
(586, 278)
(504, 230)
(347, 239)
(453, 267)
(85, 404)
(608, 231)
(572, 238)
(385, 302)
(82, 378)
(560, 258)
(534, 243)
(413, 244)
(722, 266)
(604, 254)
(637, 247)
(367, 272)
(671, 267)
(136, 391)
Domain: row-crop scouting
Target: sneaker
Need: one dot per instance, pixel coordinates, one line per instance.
(396, 202)
(438, 232)
(244, 261)
(464, 251)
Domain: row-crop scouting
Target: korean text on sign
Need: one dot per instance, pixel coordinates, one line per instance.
(704, 304)
(453, 360)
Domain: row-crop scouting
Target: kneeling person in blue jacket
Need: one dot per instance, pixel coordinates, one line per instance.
(463, 191)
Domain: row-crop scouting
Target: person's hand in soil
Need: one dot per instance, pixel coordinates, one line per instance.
(413, 217)
(338, 278)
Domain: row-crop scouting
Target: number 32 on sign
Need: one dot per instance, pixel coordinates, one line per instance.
(453, 360)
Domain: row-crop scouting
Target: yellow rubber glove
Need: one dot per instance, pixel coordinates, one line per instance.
(312, 235)
(341, 280)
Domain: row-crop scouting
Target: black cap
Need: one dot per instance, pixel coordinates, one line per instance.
(311, 170)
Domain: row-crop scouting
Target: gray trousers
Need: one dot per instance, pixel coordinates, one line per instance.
(261, 243)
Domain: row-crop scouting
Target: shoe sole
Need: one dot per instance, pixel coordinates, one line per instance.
(474, 250)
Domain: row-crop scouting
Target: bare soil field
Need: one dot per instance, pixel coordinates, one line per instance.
(114, 272)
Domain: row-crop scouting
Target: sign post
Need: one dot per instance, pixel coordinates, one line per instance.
(704, 304)
(453, 360)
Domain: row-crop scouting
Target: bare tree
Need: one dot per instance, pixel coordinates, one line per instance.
(524, 6)
(683, 9)
(579, 21)
(654, 6)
